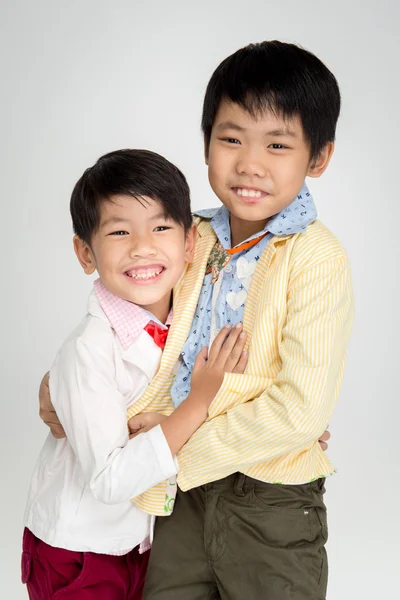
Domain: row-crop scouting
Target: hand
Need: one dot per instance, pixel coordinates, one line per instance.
(144, 422)
(325, 437)
(46, 410)
(226, 355)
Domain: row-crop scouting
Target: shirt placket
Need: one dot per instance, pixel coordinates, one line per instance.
(214, 303)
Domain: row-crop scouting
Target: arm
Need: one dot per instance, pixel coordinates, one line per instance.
(226, 355)
(93, 414)
(49, 416)
(291, 412)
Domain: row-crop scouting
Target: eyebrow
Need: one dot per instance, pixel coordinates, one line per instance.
(160, 215)
(281, 132)
(229, 125)
(113, 220)
(274, 133)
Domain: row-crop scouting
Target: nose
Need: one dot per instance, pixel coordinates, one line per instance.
(251, 162)
(143, 246)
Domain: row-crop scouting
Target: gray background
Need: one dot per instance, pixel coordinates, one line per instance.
(81, 78)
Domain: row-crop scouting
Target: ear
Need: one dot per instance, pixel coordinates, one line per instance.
(84, 255)
(190, 244)
(319, 165)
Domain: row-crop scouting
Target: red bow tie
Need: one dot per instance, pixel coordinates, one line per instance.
(158, 334)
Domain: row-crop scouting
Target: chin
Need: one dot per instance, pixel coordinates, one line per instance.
(251, 213)
(147, 300)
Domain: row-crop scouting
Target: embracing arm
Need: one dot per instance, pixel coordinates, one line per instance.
(93, 414)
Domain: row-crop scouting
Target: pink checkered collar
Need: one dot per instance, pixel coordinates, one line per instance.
(127, 319)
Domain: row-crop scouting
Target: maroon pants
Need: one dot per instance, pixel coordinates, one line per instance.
(53, 573)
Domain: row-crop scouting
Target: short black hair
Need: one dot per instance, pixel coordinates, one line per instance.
(280, 77)
(135, 173)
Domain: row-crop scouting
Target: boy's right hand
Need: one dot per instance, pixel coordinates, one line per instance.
(46, 409)
(226, 355)
(144, 422)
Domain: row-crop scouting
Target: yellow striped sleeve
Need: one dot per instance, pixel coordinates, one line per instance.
(263, 419)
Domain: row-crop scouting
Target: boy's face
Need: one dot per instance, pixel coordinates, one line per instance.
(138, 252)
(257, 166)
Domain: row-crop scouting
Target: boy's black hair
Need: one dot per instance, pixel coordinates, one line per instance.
(134, 173)
(280, 77)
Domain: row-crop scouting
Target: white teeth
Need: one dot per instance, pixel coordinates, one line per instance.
(248, 193)
(146, 275)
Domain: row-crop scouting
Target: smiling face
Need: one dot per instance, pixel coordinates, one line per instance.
(138, 252)
(257, 165)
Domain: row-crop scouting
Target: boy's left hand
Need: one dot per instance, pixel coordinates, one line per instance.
(325, 437)
(144, 422)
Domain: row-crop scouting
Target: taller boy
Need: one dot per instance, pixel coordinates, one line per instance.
(269, 120)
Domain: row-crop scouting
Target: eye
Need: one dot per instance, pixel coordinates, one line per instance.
(162, 228)
(119, 233)
(277, 146)
(231, 140)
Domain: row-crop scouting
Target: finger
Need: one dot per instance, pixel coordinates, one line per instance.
(44, 396)
(44, 385)
(201, 358)
(242, 364)
(49, 417)
(134, 430)
(219, 342)
(45, 381)
(323, 445)
(232, 358)
(140, 430)
(325, 437)
(57, 431)
(136, 423)
(134, 427)
(221, 356)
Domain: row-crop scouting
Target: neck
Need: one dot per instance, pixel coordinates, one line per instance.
(161, 308)
(241, 230)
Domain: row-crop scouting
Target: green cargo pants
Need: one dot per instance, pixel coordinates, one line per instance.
(241, 539)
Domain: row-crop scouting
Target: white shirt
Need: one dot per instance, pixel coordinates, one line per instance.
(81, 490)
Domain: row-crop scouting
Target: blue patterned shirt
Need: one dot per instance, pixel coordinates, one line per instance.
(223, 302)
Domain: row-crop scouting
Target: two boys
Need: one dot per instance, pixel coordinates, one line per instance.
(249, 519)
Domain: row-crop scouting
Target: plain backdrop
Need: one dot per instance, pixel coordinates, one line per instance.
(84, 77)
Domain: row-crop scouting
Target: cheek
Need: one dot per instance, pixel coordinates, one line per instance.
(175, 252)
(110, 256)
(219, 164)
(291, 172)
(216, 177)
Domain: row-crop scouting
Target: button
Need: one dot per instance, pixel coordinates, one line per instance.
(228, 269)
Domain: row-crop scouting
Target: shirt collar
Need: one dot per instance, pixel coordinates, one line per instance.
(293, 219)
(126, 318)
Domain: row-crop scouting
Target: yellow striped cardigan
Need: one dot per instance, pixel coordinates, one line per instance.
(266, 422)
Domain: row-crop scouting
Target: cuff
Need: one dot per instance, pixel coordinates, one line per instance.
(168, 463)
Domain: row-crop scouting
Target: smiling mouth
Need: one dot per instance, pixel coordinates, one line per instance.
(145, 273)
(249, 192)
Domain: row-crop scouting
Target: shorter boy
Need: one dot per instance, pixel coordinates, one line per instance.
(131, 216)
